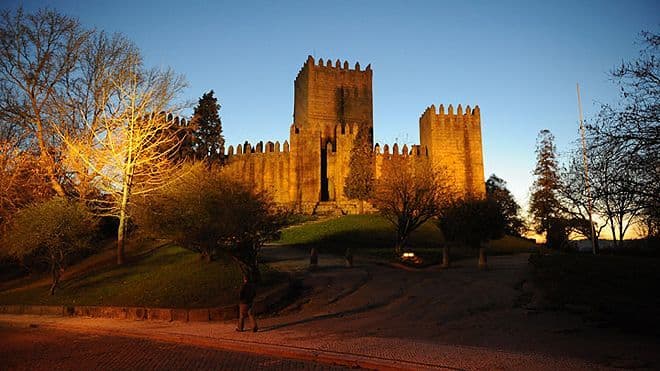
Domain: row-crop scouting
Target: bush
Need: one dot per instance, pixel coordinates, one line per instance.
(48, 234)
(208, 212)
(472, 222)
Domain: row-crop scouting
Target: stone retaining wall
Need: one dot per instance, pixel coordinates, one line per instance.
(229, 312)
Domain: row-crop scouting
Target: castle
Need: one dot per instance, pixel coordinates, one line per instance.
(331, 103)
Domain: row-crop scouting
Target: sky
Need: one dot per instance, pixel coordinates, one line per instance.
(518, 60)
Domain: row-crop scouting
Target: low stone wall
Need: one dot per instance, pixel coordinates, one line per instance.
(230, 312)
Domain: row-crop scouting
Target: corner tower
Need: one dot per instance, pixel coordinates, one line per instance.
(453, 141)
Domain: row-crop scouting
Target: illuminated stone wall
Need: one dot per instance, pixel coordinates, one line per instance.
(332, 102)
(453, 141)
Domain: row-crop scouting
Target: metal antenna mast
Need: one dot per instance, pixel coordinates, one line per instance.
(586, 172)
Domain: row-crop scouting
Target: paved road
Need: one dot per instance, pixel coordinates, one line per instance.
(51, 349)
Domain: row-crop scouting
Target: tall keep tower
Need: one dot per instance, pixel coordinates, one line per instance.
(326, 95)
(328, 99)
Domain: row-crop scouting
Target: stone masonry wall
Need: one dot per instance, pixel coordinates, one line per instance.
(454, 143)
(333, 102)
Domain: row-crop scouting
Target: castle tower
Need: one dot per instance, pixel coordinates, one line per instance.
(327, 95)
(453, 141)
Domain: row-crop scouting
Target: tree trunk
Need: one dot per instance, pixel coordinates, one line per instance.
(445, 256)
(123, 225)
(482, 258)
(400, 244)
(44, 154)
(55, 272)
(206, 256)
(313, 258)
(121, 236)
(361, 207)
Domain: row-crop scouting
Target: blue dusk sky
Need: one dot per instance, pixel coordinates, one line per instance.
(519, 61)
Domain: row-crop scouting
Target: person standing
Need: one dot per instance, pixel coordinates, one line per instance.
(246, 300)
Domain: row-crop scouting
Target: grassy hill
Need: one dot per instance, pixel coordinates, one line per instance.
(373, 235)
(171, 277)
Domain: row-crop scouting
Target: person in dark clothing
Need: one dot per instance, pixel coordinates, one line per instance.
(246, 300)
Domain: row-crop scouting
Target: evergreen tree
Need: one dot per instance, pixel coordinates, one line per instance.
(543, 205)
(360, 179)
(497, 192)
(208, 141)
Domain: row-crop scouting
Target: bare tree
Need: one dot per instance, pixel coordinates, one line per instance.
(132, 144)
(408, 193)
(573, 198)
(37, 53)
(57, 77)
(614, 191)
(614, 199)
(630, 128)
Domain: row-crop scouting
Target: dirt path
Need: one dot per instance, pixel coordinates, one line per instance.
(460, 306)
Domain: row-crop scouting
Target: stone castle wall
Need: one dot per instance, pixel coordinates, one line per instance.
(332, 103)
(453, 141)
(263, 167)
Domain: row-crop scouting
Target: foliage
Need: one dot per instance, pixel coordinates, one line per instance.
(49, 233)
(472, 221)
(544, 206)
(24, 181)
(360, 180)
(207, 212)
(409, 193)
(497, 191)
(206, 129)
(629, 132)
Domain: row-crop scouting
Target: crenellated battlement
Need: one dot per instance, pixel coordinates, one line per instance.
(246, 148)
(341, 66)
(414, 150)
(439, 114)
(333, 102)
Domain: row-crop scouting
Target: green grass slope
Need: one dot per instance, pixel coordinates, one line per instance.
(356, 232)
(373, 235)
(171, 277)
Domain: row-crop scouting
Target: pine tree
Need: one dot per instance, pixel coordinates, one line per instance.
(360, 179)
(544, 206)
(208, 141)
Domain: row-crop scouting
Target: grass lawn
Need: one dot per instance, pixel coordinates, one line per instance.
(357, 232)
(620, 290)
(373, 235)
(511, 245)
(171, 277)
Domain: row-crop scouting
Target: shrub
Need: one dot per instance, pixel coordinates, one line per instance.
(472, 222)
(48, 234)
(207, 212)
